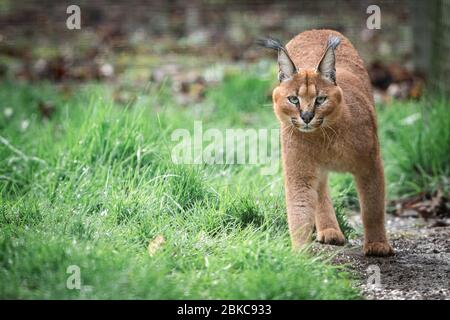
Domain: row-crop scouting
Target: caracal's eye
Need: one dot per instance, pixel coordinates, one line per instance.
(293, 100)
(320, 100)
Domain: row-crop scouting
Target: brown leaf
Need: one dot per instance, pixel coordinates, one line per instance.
(46, 109)
(155, 245)
(428, 205)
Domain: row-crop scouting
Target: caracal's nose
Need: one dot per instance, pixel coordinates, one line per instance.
(307, 116)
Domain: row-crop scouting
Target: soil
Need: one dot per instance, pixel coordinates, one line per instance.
(420, 268)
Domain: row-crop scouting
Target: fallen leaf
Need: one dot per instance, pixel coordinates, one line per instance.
(427, 205)
(155, 245)
(46, 109)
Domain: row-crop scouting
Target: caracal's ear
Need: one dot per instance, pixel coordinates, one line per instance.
(285, 64)
(327, 64)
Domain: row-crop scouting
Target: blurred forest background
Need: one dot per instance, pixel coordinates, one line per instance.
(191, 43)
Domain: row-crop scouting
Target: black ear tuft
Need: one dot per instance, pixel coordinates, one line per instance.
(270, 43)
(286, 66)
(333, 42)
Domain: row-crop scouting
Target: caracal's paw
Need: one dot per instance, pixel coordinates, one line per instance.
(331, 236)
(378, 249)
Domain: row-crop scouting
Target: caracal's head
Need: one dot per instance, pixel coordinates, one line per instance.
(306, 98)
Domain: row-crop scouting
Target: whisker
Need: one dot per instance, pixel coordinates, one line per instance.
(334, 131)
(328, 139)
(286, 129)
(323, 133)
(290, 136)
(353, 104)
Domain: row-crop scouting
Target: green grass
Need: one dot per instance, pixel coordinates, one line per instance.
(95, 184)
(416, 144)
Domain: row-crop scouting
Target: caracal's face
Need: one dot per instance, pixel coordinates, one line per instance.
(306, 101)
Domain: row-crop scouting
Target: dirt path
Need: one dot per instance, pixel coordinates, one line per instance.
(420, 268)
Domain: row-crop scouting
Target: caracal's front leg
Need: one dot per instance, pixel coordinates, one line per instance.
(327, 226)
(301, 203)
(371, 190)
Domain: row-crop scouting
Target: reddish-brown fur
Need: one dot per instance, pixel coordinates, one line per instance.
(342, 137)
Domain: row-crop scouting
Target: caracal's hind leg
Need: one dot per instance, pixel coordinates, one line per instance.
(371, 190)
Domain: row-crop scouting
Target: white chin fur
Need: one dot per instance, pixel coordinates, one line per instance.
(306, 129)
